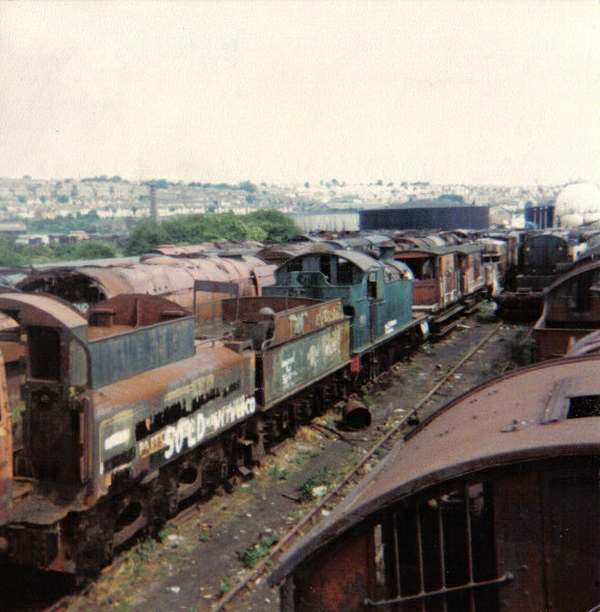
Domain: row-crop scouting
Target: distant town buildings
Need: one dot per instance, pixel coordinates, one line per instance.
(27, 199)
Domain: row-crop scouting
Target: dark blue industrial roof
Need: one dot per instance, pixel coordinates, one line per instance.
(451, 201)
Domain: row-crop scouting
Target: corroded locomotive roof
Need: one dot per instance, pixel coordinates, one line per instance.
(519, 417)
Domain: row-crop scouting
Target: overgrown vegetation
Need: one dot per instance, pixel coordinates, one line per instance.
(317, 485)
(253, 554)
(224, 586)
(521, 348)
(260, 225)
(90, 223)
(276, 472)
(22, 256)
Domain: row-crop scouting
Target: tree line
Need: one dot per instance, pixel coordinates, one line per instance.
(260, 225)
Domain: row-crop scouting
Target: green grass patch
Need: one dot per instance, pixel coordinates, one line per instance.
(253, 554)
(313, 487)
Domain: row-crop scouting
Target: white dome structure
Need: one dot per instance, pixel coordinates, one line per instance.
(577, 204)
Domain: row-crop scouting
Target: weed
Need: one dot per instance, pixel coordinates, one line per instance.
(276, 472)
(487, 313)
(253, 554)
(521, 349)
(304, 456)
(323, 478)
(144, 550)
(369, 401)
(224, 586)
(204, 536)
(426, 348)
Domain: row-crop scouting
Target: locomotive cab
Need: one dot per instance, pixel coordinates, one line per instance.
(55, 370)
(376, 295)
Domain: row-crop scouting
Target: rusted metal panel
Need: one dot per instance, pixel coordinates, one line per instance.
(289, 367)
(551, 343)
(280, 253)
(519, 537)
(6, 448)
(436, 283)
(172, 277)
(171, 410)
(41, 310)
(140, 349)
(571, 507)
(292, 317)
(337, 578)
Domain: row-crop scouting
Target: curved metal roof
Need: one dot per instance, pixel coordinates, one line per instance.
(41, 310)
(162, 274)
(572, 273)
(361, 260)
(514, 418)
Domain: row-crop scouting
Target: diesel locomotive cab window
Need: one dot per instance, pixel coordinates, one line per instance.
(44, 352)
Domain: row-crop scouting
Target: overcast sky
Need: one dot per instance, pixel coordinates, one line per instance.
(495, 92)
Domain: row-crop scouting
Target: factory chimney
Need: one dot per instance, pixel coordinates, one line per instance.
(153, 204)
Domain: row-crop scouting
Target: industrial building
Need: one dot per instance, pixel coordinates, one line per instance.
(447, 212)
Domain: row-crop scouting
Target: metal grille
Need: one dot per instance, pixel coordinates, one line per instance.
(438, 555)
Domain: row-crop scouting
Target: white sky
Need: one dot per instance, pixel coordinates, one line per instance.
(497, 92)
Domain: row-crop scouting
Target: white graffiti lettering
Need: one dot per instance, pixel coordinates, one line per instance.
(191, 431)
(288, 374)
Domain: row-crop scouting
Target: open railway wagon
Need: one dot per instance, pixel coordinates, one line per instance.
(492, 505)
(448, 281)
(126, 414)
(571, 310)
(376, 296)
(543, 257)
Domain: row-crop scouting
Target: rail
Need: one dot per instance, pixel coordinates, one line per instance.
(311, 517)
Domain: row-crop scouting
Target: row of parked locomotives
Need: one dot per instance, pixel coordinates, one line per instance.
(490, 505)
(170, 274)
(127, 412)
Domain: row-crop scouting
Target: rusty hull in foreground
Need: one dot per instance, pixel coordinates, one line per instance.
(492, 505)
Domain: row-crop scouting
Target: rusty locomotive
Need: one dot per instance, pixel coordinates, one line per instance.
(133, 408)
(170, 272)
(543, 256)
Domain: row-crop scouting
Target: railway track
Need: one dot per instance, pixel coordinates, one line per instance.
(375, 453)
